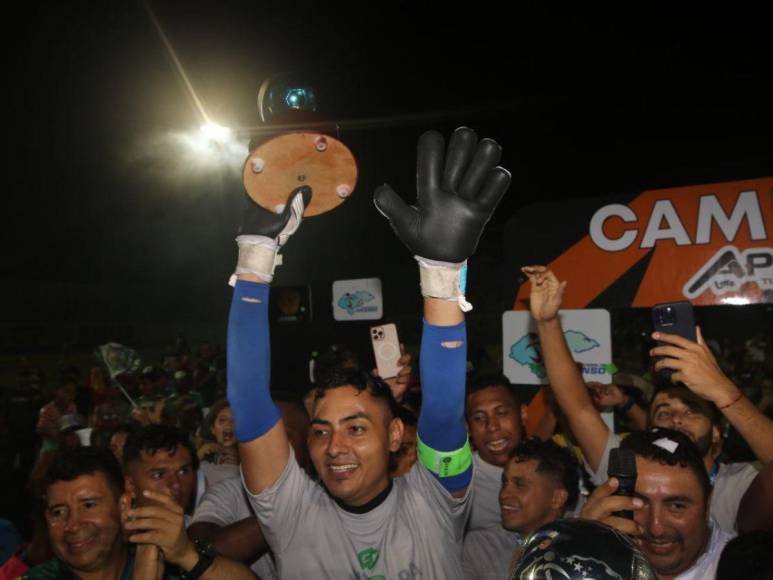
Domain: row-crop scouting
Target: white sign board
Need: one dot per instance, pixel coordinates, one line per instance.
(587, 333)
(360, 299)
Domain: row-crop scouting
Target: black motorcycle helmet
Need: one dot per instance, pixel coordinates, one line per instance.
(580, 550)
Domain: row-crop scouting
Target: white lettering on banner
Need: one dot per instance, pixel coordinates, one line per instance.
(746, 208)
(747, 205)
(729, 269)
(597, 234)
(674, 230)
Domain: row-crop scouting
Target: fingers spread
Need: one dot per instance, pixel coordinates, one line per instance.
(494, 188)
(429, 165)
(486, 157)
(460, 152)
(393, 207)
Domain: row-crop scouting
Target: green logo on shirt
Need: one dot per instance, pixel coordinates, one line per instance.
(368, 558)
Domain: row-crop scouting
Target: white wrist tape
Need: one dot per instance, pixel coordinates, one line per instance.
(444, 280)
(257, 255)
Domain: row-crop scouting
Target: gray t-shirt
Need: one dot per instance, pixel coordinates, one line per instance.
(226, 503)
(416, 532)
(488, 547)
(730, 485)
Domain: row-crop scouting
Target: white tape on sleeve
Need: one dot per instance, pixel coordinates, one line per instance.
(444, 280)
(257, 255)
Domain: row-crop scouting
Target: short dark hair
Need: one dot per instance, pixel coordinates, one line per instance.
(646, 444)
(70, 464)
(333, 358)
(554, 461)
(693, 402)
(360, 380)
(154, 438)
(407, 416)
(481, 382)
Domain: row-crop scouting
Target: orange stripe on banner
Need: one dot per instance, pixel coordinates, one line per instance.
(590, 269)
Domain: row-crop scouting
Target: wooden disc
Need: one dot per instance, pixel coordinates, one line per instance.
(279, 165)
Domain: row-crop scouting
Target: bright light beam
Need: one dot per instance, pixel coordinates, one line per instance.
(216, 132)
(178, 65)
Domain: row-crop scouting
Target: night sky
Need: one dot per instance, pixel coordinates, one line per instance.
(105, 224)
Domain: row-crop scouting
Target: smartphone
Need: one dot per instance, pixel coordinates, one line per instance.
(622, 465)
(386, 348)
(674, 318)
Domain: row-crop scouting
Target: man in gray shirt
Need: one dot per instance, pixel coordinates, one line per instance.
(360, 523)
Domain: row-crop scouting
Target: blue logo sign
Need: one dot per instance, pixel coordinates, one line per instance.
(354, 302)
(527, 351)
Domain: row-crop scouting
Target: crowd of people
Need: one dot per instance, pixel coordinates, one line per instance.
(195, 472)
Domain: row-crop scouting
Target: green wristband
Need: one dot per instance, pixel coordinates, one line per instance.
(445, 463)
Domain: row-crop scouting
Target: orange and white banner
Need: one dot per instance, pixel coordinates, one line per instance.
(709, 244)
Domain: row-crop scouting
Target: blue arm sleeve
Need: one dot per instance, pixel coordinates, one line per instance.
(443, 373)
(249, 362)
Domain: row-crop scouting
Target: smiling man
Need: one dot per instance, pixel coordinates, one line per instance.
(83, 489)
(695, 410)
(360, 523)
(495, 424)
(89, 520)
(539, 483)
(671, 521)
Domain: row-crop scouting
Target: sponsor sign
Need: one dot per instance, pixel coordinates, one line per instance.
(360, 299)
(709, 244)
(587, 333)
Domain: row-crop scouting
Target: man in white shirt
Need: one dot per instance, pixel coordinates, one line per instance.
(671, 522)
(695, 409)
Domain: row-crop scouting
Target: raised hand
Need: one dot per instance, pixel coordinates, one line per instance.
(547, 293)
(262, 233)
(456, 196)
(258, 221)
(695, 367)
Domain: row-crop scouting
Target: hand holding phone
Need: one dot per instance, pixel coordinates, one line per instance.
(386, 349)
(674, 318)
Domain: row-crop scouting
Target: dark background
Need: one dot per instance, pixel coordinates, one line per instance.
(108, 236)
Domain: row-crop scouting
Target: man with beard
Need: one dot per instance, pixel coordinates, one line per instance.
(680, 407)
(671, 522)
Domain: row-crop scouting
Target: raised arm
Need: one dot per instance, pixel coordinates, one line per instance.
(565, 379)
(696, 367)
(263, 445)
(457, 194)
